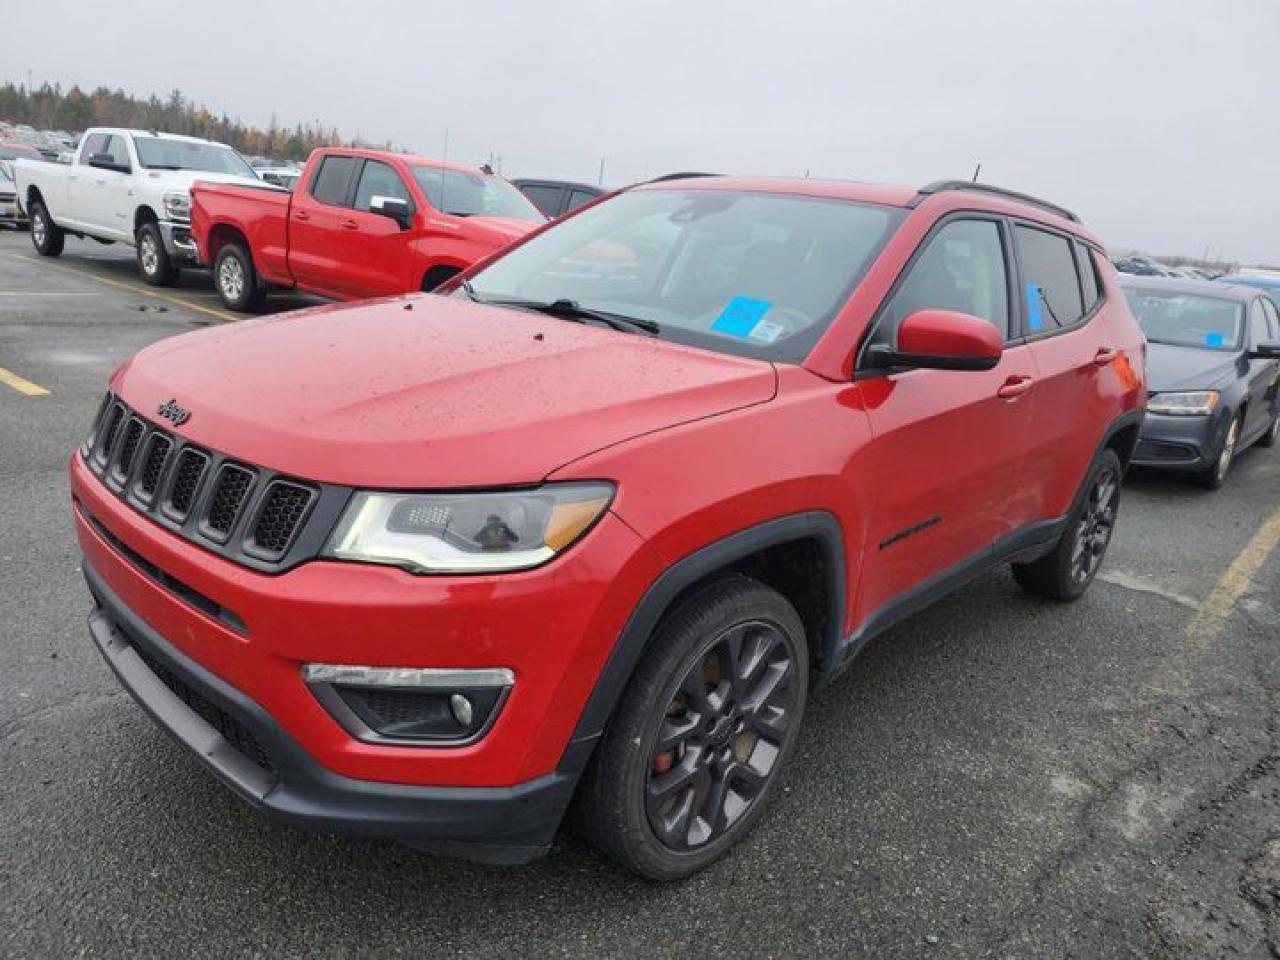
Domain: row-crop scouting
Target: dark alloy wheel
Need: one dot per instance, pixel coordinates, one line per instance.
(721, 735)
(691, 756)
(1096, 523)
(1065, 572)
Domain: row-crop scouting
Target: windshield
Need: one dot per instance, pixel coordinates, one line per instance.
(753, 274)
(463, 194)
(158, 153)
(1187, 320)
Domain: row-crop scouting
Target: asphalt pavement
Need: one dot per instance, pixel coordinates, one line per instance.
(998, 777)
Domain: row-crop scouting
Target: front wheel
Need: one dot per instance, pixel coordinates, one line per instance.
(153, 259)
(237, 281)
(46, 236)
(1216, 475)
(1272, 435)
(703, 730)
(1067, 570)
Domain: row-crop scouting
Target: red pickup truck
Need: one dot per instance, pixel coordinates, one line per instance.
(359, 223)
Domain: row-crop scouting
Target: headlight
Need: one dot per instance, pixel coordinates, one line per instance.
(467, 532)
(177, 206)
(1197, 404)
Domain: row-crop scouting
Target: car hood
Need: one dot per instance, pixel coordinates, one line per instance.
(426, 391)
(1186, 368)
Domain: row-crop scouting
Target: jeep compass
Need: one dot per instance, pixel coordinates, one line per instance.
(575, 537)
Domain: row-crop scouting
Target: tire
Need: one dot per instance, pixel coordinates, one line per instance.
(236, 280)
(1065, 572)
(729, 741)
(46, 236)
(1216, 475)
(1270, 438)
(154, 264)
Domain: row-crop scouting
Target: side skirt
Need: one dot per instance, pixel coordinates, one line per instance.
(1022, 546)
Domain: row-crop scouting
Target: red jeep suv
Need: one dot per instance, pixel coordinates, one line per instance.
(580, 532)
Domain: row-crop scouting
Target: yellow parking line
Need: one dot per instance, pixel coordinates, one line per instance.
(21, 385)
(1232, 585)
(131, 287)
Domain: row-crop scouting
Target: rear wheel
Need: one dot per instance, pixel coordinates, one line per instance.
(153, 259)
(237, 281)
(1067, 570)
(709, 719)
(46, 236)
(1216, 475)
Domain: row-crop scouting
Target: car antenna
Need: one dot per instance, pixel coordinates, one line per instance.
(444, 170)
(977, 170)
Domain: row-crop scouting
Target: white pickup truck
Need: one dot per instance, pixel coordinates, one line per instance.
(130, 186)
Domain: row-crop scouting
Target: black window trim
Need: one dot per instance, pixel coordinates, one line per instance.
(354, 186)
(1273, 315)
(349, 189)
(1072, 239)
(1260, 300)
(1014, 336)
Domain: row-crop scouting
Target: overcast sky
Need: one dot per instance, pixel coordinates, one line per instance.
(1157, 120)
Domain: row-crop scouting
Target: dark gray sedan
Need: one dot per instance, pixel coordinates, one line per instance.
(1213, 371)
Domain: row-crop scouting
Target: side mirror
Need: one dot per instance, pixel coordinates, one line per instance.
(941, 340)
(105, 161)
(1269, 350)
(394, 208)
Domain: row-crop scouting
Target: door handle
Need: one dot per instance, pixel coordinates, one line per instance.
(348, 224)
(1015, 387)
(301, 215)
(1104, 356)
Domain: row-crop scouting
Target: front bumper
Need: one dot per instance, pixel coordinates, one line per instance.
(1181, 444)
(246, 749)
(178, 242)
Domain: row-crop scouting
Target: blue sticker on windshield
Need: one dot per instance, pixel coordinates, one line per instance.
(1214, 339)
(1033, 307)
(740, 316)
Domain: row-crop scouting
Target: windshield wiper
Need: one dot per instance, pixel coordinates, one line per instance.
(572, 310)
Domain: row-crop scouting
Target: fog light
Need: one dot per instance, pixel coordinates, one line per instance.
(410, 705)
(461, 708)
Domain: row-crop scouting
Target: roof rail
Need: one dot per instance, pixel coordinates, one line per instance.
(942, 186)
(682, 176)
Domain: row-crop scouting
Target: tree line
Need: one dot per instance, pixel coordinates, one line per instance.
(51, 108)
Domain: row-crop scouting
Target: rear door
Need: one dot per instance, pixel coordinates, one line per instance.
(1262, 373)
(315, 224)
(82, 183)
(375, 250)
(950, 442)
(1079, 380)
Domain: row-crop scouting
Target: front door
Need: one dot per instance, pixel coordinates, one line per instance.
(375, 249)
(947, 445)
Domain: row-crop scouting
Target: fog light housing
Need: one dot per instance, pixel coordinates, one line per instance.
(407, 705)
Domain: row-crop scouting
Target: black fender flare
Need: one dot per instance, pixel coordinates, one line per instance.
(817, 525)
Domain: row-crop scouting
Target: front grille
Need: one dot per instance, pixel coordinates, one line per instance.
(279, 518)
(248, 514)
(157, 452)
(229, 493)
(233, 731)
(123, 460)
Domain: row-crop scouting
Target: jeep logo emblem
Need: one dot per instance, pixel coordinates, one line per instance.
(173, 413)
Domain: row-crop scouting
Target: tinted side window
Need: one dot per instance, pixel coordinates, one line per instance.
(578, 198)
(1273, 317)
(1088, 276)
(546, 199)
(94, 144)
(1259, 331)
(330, 183)
(962, 269)
(1050, 285)
(379, 179)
